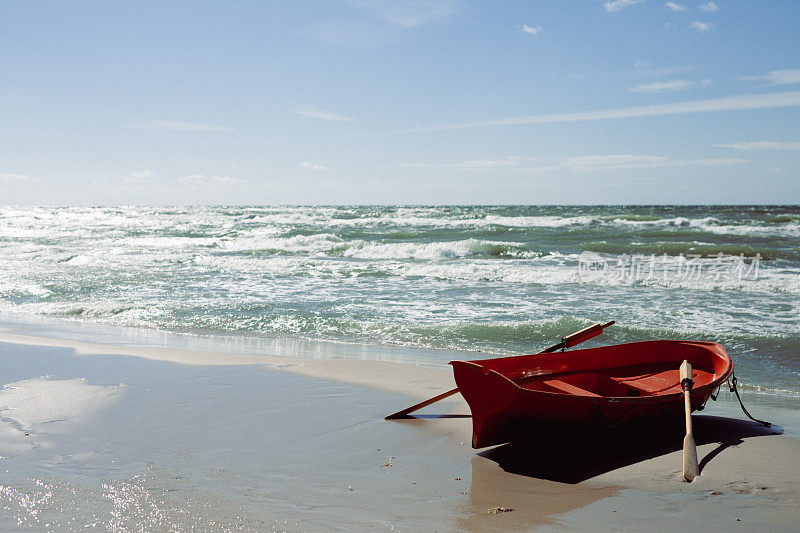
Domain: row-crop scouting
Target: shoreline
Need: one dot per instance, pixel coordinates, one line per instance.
(220, 412)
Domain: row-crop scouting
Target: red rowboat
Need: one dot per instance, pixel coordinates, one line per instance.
(607, 386)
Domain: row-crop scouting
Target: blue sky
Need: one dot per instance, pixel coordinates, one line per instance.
(424, 102)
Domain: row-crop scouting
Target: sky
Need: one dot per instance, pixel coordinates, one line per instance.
(418, 102)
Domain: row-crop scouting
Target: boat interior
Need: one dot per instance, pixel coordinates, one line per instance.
(631, 381)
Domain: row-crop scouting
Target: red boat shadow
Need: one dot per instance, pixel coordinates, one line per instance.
(569, 456)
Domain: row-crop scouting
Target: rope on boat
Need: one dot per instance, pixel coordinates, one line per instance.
(732, 384)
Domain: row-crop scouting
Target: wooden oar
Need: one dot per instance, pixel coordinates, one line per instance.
(690, 467)
(566, 342)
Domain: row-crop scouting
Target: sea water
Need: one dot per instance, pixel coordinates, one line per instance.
(484, 279)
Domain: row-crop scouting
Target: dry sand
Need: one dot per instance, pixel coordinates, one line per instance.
(100, 436)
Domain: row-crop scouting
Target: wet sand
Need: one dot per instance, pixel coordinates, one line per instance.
(98, 436)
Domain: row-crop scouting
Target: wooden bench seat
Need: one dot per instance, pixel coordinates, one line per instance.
(568, 388)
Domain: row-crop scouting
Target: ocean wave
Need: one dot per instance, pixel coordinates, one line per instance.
(790, 228)
(98, 310)
(171, 242)
(499, 338)
(422, 326)
(79, 260)
(543, 269)
(551, 272)
(769, 391)
(776, 284)
(437, 250)
(14, 291)
(306, 244)
(335, 246)
(211, 223)
(713, 225)
(694, 248)
(784, 218)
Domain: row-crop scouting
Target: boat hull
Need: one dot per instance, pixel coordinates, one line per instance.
(597, 387)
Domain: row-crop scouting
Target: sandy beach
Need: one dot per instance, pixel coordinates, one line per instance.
(235, 236)
(119, 437)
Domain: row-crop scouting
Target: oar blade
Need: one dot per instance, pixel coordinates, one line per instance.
(585, 334)
(691, 469)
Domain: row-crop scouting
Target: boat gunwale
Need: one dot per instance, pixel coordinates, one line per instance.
(658, 397)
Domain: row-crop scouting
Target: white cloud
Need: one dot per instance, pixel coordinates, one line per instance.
(138, 177)
(176, 125)
(312, 166)
(618, 5)
(323, 115)
(667, 71)
(579, 163)
(702, 26)
(224, 180)
(778, 77)
(347, 33)
(591, 163)
(711, 6)
(730, 103)
(13, 177)
(675, 7)
(476, 164)
(409, 13)
(533, 30)
(627, 161)
(613, 161)
(761, 146)
(712, 162)
(660, 86)
(193, 179)
(491, 163)
(202, 179)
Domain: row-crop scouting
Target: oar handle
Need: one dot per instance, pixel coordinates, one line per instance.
(686, 384)
(420, 405)
(578, 337)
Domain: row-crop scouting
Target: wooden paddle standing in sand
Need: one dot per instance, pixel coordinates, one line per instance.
(566, 342)
(690, 467)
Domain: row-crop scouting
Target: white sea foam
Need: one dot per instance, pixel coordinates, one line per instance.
(329, 243)
(767, 282)
(411, 218)
(712, 225)
(434, 250)
(32, 289)
(52, 222)
(82, 260)
(309, 244)
(172, 242)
